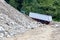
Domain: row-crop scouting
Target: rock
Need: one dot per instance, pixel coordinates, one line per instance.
(1, 35)
(1, 28)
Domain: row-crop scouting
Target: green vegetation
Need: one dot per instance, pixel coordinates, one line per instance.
(49, 7)
(15, 3)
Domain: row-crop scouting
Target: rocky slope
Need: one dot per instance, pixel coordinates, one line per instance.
(13, 22)
(17, 26)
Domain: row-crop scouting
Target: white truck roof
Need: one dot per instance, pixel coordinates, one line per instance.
(40, 16)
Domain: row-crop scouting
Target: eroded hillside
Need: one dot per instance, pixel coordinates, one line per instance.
(17, 26)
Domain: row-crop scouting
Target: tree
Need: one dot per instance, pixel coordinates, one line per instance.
(15, 3)
(49, 7)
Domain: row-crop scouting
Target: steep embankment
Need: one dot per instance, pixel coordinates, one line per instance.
(17, 26)
(14, 22)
